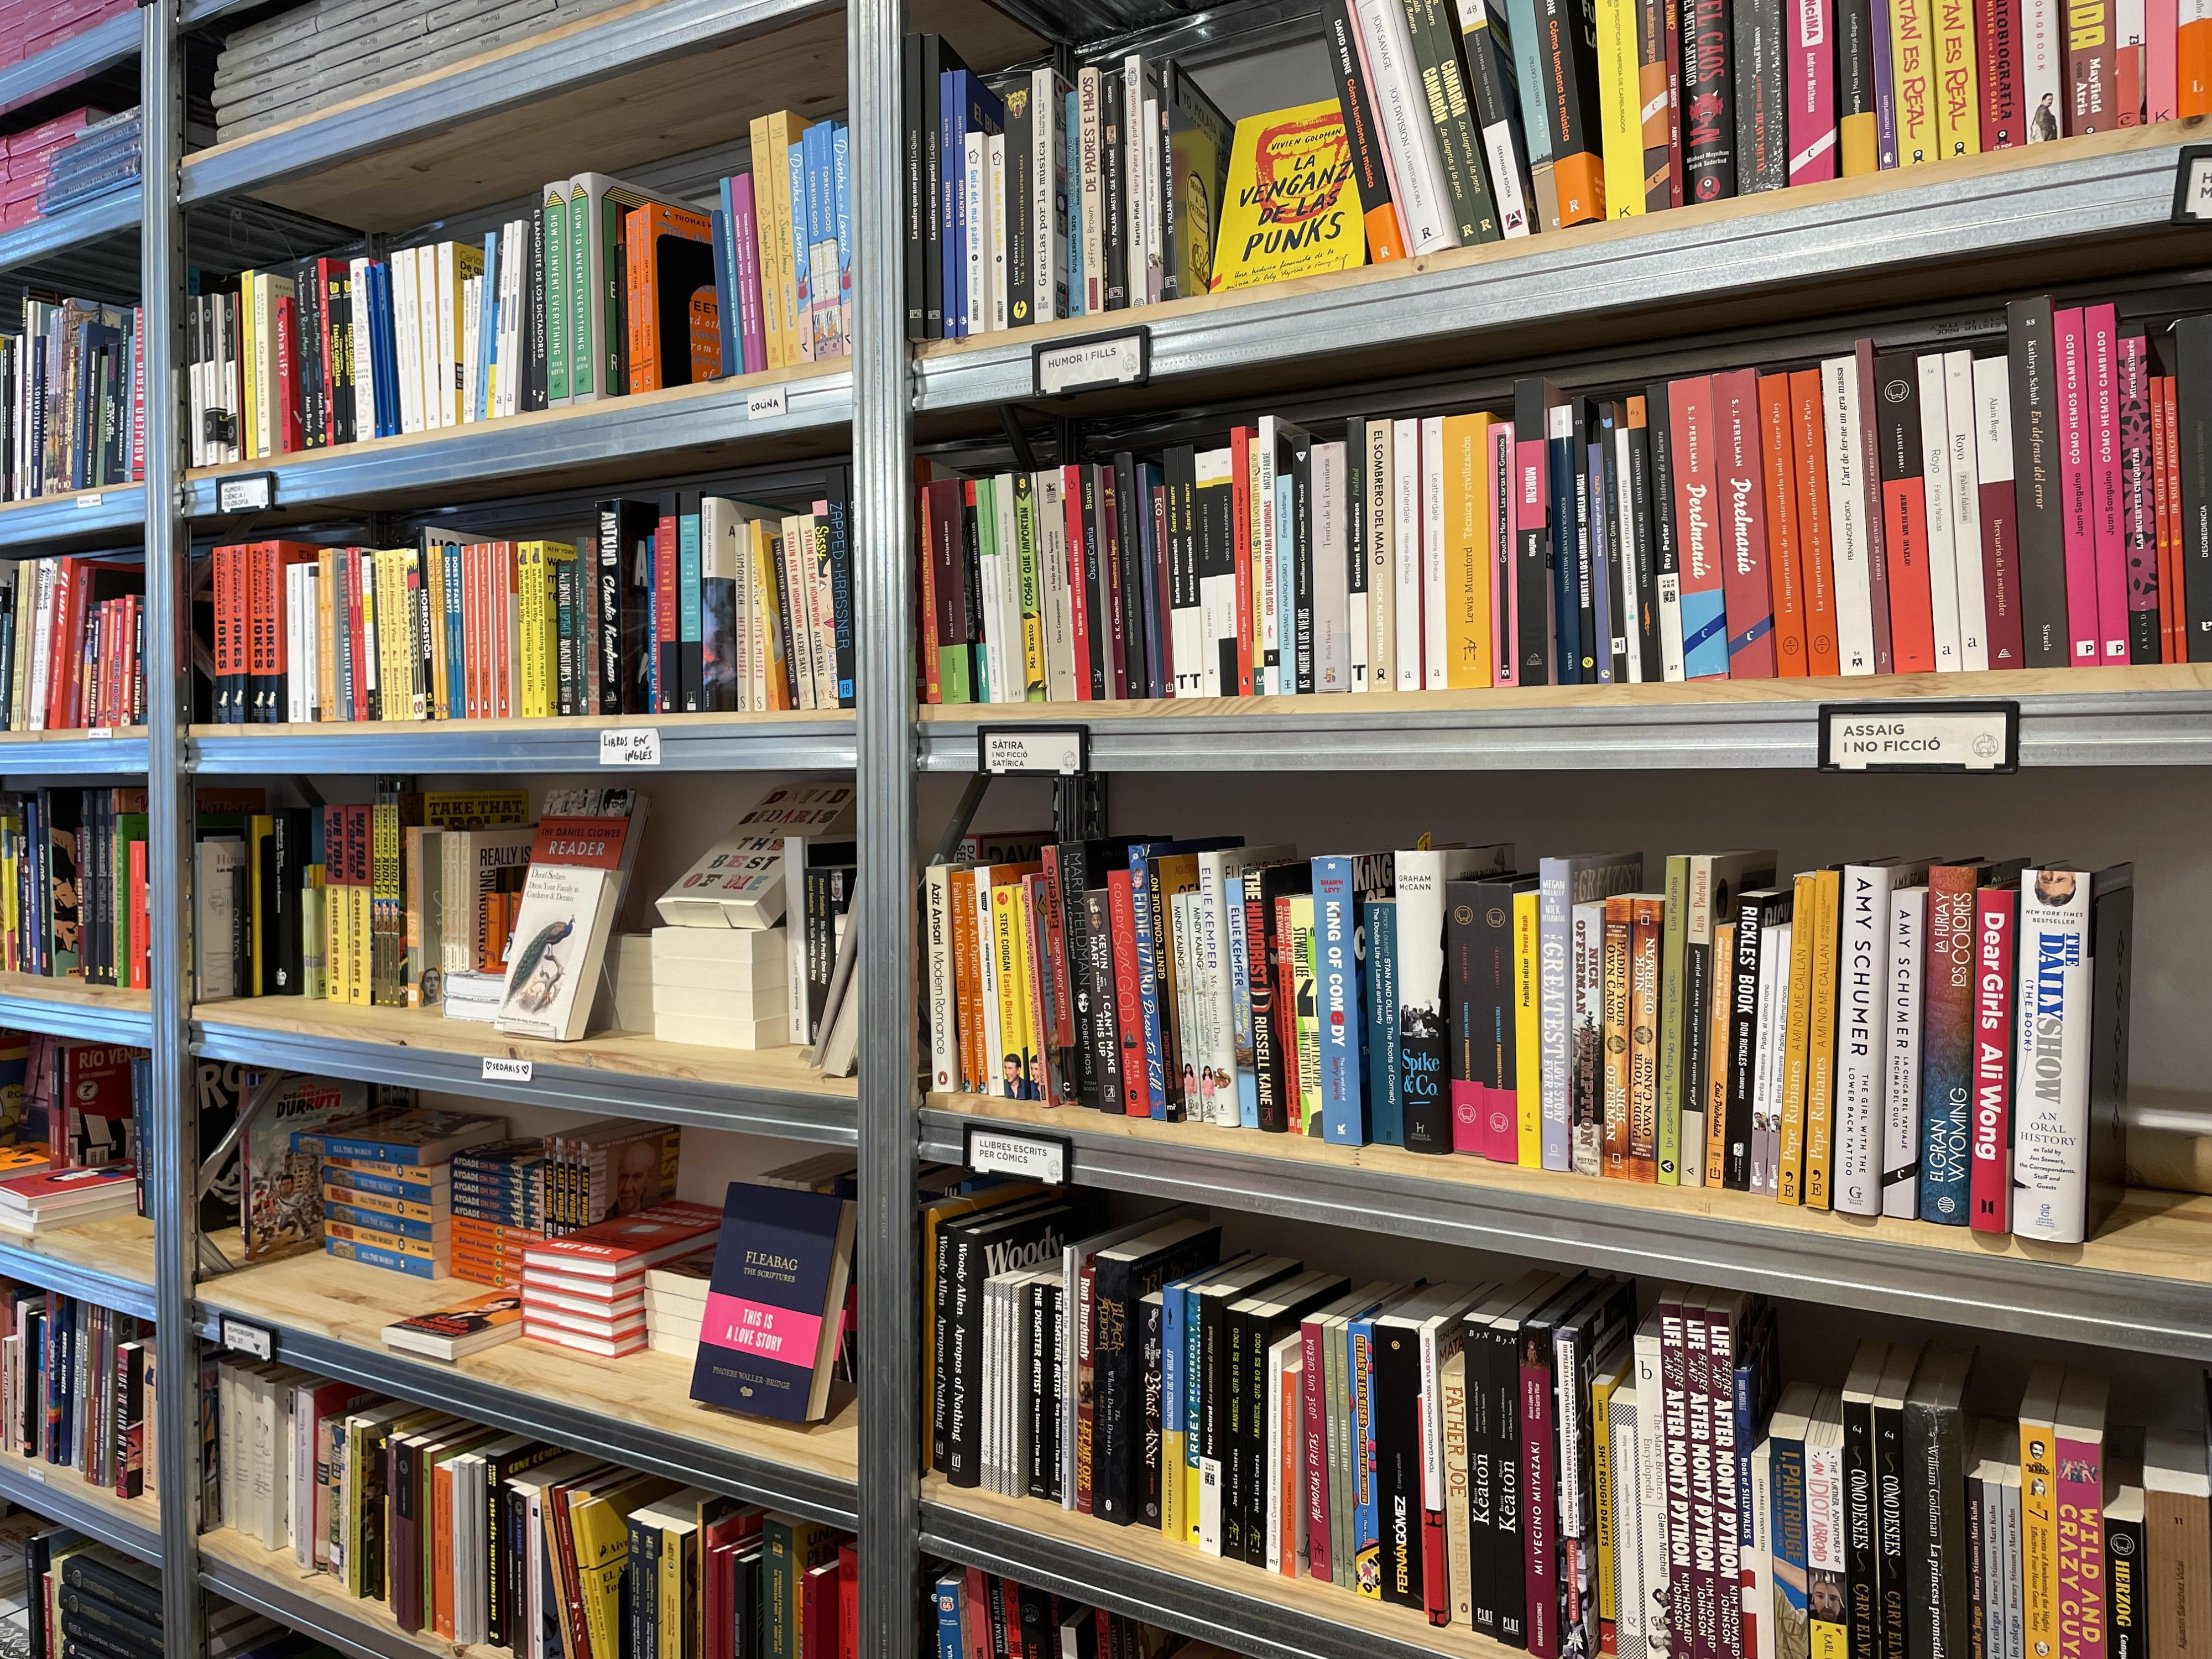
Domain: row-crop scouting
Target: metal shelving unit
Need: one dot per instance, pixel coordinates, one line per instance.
(689, 742)
(121, 1019)
(111, 517)
(61, 1495)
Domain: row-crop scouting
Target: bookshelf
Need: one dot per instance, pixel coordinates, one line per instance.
(113, 40)
(116, 752)
(68, 1008)
(96, 520)
(132, 1525)
(109, 1261)
(791, 742)
(271, 1581)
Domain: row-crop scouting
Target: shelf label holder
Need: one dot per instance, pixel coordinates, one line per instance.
(2192, 186)
(630, 746)
(1024, 1155)
(500, 1068)
(1063, 369)
(767, 403)
(1981, 737)
(1053, 751)
(239, 1337)
(251, 492)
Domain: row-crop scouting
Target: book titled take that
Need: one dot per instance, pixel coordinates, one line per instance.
(775, 1306)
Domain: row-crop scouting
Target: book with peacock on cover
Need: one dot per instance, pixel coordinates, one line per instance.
(569, 905)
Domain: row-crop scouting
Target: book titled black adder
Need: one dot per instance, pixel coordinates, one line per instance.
(775, 1306)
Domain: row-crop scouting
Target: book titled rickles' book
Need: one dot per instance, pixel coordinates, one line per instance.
(775, 1305)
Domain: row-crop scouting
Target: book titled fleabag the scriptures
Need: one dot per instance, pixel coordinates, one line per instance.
(775, 1307)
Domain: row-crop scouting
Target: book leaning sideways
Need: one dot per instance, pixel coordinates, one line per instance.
(578, 866)
(775, 1307)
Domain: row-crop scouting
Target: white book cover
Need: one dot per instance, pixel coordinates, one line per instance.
(1624, 607)
(1011, 622)
(1217, 587)
(365, 389)
(1049, 195)
(1993, 461)
(1271, 1495)
(1156, 267)
(1936, 490)
(1767, 1069)
(977, 229)
(1381, 559)
(472, 382)
(1273, 450)
(1862, 1035)
(1187, 1033)
(1755, 1552)
(1332, 600)
(1053, 583)
(1402, 111)
(2042, 68)
(995, 227)
(1089, 99)
(1562, 883)
(1848, 530)
(993, 606)
(2051, 1110)
(1435, 665)
(1405, 542)
(1959, 407)
(1140, 157)
(1900, 1110)
(1629, 1593)
(560, 938)
(426, 338)
(445, 371)
(408, 372)
(1651, 1493)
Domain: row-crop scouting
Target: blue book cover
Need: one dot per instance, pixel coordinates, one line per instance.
(801, 229)
(1565, 555)
(487, 326)
(1795, 1584)
(947, 1591)
(1386, 1117)
(405, 1226)
(726, 303)
(456, 658)
(1337, 1011)
(1366, 1532)
(952, 196)
(775, 1306)
(841, 174)
(387, 334)
(1072, 118)
(1602, 597)
(369, 1256)
(688, 605)
(821, 222)
(653, 574)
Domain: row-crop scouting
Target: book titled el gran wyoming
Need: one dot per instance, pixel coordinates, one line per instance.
(775, 1306)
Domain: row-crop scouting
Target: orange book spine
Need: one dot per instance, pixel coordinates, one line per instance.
(968, 991)
(234, 600)
(1785, 575)
(643, 300)
(441, 1550)
(1815, 557)
(2192, 62)
(470, 634)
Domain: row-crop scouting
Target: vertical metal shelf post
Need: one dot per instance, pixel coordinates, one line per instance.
(883, 591)
(172, 1158)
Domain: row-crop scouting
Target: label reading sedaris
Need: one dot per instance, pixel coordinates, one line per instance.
(1944, 736)
(1028, 1157)
(630, 746)
(1053, 751)
(498, 1069)
(1121, 359)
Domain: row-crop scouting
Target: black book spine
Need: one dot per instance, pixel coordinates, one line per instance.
(1532, 403)
(1105, 1009)
(1611, 422)
(1861, 1557)
(1301, 542)
(1072, 864)
(338, 329)
(1042, 1404)
(2127, 1623)
(1229, 1450)
(1396, 1392)
(1508, 1554)
(1113, 187)
(1150, 1347)
(1356, 99)
(1589, 557)
(1130, 518)
(1890, 1481)
(609, 576)
(2032, 358)
(1115, 1376)
(963, 1467)
(536, 391)
(1935, 1464)
(1761, 147)
(1266, 1049)
(1435, 36)
(1755, 913)
(940, 1370)
(1482, 1482)
(1020, 245)
(1709, 159)
(2192, 408)
(1642, 499)
(916, 105)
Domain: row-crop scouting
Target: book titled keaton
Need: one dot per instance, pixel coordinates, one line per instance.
(775, 1306)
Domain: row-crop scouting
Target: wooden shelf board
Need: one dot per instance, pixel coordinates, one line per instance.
(118, 1246)
(145, 1512)
(370, 731)
(278, 1569)
(666, 109)
(75, 734)
(632, 1054)
(1696, 694)
(2160, 1236)
(36, 987)
(343, 1302)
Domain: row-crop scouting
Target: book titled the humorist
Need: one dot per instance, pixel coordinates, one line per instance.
(775, 1306)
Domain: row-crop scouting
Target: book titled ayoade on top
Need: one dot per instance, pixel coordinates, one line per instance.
(775, 1306)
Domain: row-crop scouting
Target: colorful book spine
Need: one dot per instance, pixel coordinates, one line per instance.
(1996, 910)
(2077, 515)
(1947, 1045)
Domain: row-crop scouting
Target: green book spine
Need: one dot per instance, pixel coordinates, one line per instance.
(556, 295)
(1444, 90)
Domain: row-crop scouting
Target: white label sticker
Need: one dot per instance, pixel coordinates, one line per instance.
(254, 492)
(994, 1151)
(630, 746)
(90, 498)
(1054, 750)
(242, 1338)
(102, 731)
(1949, 740)
(499, 1070)
(1119, 360)
(766, 401)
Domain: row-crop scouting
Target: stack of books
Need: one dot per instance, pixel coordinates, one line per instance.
(26, 157)
(47, 1200)
(587, 1290)
(387, 1184)
(675, 1304)
(499, 1209)
(101, 159)
(721, 988)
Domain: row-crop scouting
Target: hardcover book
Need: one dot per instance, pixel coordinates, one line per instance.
(775, 1309)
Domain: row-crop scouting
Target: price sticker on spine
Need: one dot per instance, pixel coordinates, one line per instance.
(1907, 736)
(497, 1068)
(630, 746)
(240, 1337)
(1026, 1156)
(1048, 750)
(767, 402)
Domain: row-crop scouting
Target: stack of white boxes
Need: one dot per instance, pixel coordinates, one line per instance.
(720, 988)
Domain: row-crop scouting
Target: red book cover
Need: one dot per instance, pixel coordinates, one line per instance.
(1313, 1409)
(666, 583)
(2107, 510)
(1784, 540)
(1286, 1018)
(1136, 1094)
(1538, 1494)
(1870, 487)
(848, 1602)
(2139, 508)
(1436, 1571)
(1989, 1189)
(2076, 489)
(1815, 558)
(819, 1632)
(68, 581)
(1240, 485)
(140, 969)
(1996, 42)
(290, 435)
(1905, 513)
(1741, 504)
(627, 1243)
(2179, 585)
(1999, 514)
(1705, 615)
(932, 689)
(2082, 1592)
(976, 1615)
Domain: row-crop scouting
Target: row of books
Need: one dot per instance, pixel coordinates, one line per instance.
(1886, 512)
(692, 604)
(1044, 198)
(76, 1389)
(96, 163)
(980, 1615)
(78, 1598)
(27, 30)
(27, 157)
(1545, 1461)
(73, 885)
(72, 644)
(603, 290)
(1943, 1039)
(72, 379)
(552, 1554)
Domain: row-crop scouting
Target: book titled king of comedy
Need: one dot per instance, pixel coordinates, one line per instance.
(775, 1307)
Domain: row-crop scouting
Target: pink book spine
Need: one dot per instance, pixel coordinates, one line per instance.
(2161, 22)
(1470, 1118)
(1539, 1510)
(1313, 1409)
(1988, 1193)
(1813, 93)
(1504, 588)
(2100, 329)
(2081, 1598)
(744, 233)
(1501, 1119)
(2074, 479)
(1389, 164)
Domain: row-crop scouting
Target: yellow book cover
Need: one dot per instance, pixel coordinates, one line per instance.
(1912, 76)
(599, 1523)
(1619, 932)
(326, 653)
(1602, 1389)
(1467, 557)
(419, 634)
(1621, 116)
(767, 554)
(1026, 921)
(1028, 566)
(1820, 1041)
(1857, 145)
(558, 554)
(1308, 1028)
(1293, 206)
(1647, 919)
(785, 130)
(378, 613)
(765, 235)
(1797, 1042)
(1958, 92)
(1716, 1149)
(358, 933)
(528, 562)
(368, 665)
(1019, 1059)
(1527, 1031)
(2038, 1509)
(249, 384)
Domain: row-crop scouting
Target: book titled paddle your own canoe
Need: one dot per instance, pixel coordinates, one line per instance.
(775, 1309)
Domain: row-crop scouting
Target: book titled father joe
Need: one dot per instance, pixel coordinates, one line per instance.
(775, 1309)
